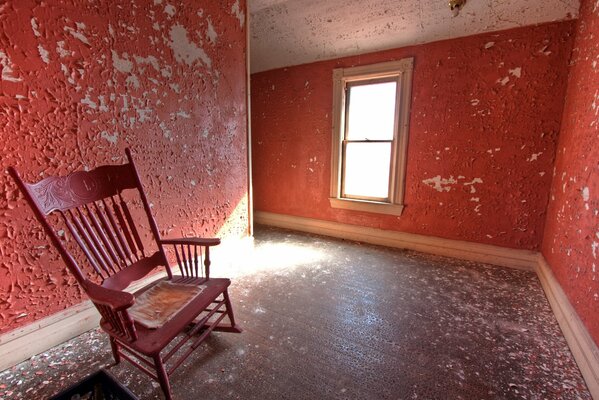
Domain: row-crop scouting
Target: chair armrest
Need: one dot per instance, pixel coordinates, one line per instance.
(115, 299)
(194, 241)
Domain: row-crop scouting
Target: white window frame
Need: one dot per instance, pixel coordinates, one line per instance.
(401, 70)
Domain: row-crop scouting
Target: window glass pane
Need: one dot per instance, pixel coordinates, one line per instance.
(367, 170)
(371, 111)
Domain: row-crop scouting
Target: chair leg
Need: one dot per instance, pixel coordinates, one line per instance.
(115, 350)
(162, 377)
(229, 308)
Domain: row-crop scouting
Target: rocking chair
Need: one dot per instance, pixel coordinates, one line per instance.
(176, 309)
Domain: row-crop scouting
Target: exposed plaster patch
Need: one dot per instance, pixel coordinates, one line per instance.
(112, 138)
(472, 183)
(170, 10)
(62, 52)
(44, 54)
(132, 80)
(517, 72)
(236, 10)
(77, 34)
(7, 71)
(586, 194)
(211, 33)
(123, 65)
(184, 49)
(35, 27)
(504, 81)
(89, 102)
(475, 102)
(149, 60)
(534, 156)
(489, 45)
(440, 184)
(143, 114)
(594, 247)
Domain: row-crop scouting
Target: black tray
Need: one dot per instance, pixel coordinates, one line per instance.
(99, 386)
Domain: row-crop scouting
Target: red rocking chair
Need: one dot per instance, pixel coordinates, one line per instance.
(176, 309)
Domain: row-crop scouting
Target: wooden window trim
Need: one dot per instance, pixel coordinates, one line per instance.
(403, 70)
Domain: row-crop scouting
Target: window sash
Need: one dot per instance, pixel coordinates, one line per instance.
(390, 198)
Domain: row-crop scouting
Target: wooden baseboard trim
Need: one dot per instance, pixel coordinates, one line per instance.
(582, 346)
(35, 338)
(513, 258)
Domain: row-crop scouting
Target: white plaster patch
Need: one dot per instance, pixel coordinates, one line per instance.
(489, 45)
(143, 114)
(35, 27)
(594, 247)
(170, 10)
(112, 138)
(123, 65)
(149, 60)
(586, 195)
(475, 102)
(185, 50)
(472, 183)
(7, 71)
(517, 72)
(504, 81)
(77, 34)
(440, 184)
(183, 114)
(165, 131)
(236, 10)
(62, 52)
(44, 54)
(534, 156)
(132, 80)
(211, 33)
(89, 102)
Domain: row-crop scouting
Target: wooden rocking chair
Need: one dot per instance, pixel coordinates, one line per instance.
(91, 208)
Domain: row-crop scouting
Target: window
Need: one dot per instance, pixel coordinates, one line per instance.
(371, 106)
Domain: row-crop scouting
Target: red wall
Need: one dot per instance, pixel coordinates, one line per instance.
(571, 241)
(80, 81)
(486, 109)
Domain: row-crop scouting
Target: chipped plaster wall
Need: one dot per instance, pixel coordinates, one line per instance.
(571, 240)
(485, 115)
(80, 81)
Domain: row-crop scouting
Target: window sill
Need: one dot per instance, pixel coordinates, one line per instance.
(367, 206)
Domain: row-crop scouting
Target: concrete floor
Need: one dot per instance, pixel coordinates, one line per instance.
(326, 318)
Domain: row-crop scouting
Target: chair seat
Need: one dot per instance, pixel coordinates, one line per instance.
(151, 341)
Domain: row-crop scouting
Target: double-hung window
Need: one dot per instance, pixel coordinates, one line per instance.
(370, 132)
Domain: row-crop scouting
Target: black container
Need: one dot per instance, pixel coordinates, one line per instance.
(99, 386)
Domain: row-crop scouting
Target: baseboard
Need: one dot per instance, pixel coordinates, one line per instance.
(513, 258)
(582, 346)
(35, 338)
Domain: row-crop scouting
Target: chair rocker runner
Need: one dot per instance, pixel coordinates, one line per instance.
(90, 208)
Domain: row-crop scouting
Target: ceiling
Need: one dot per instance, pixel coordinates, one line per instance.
(292, 32)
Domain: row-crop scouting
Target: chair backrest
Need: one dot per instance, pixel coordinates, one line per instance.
(92, 210)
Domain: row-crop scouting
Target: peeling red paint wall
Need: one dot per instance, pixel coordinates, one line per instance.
(571, 240)
(485, 116)
(80, 81)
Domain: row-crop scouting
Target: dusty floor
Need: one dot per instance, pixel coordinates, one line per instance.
(325, 318)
